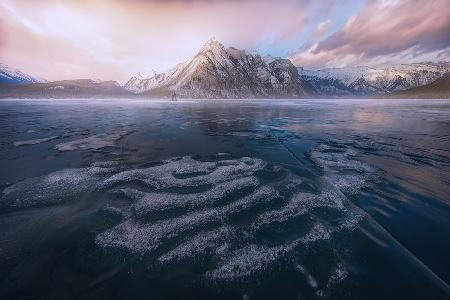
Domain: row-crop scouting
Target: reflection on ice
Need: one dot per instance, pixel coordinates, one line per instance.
(92, 142)
(35, 141)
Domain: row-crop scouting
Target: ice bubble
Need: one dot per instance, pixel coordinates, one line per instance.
(93, 142)
(337, 275)
(312, 282)
(156, 202)
(245, 262)
(168, 174)
(350, 184)
(338, 158)
(317, 233)
(140, 238)
(53, 188)
(253, 259)
(184, 209)
(187, 210)
(299, 204)
(199, 244)
(342, 169)
(35, 141)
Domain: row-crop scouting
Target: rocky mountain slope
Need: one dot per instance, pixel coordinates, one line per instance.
(219, 72)
(10, 75)
(369, 81)
(80, 88)
(438, 89)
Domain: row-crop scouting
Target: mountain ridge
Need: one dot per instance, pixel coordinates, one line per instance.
(10, 75)
(438, 89)
(369, 81)
(219, 72)
(76, 88)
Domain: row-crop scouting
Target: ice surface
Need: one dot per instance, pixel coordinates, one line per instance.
(318, 232)
(53, 188)
(298, 205)
(141, 238)
(254, 259)
(253, 135)
(342, 168)
(200, 244)
(93, 142)
(312, 282)
(169, 174)
(154, 202)
(222, 223)
(330, 157)
(35, 141)
(245, 262)
(185, 209)
(338, 274)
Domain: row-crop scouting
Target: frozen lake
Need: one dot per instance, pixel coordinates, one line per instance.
(262, 199)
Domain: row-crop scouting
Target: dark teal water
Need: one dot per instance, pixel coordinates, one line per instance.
(308, 199)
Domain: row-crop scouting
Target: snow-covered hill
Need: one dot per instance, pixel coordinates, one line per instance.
(14, 76)
(219, 72)
(366, 81)
(438, 89)
(77, 88)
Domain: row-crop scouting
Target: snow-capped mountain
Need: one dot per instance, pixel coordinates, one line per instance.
(78, 88)
(438, 89)
(14, 76)
(219, 72)
(367, 81)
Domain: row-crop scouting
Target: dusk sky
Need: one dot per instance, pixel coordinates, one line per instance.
(116, 39)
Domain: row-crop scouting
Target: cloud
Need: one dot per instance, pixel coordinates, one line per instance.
(113, 39)
(444, 54)
(322, 28)
(384, 29)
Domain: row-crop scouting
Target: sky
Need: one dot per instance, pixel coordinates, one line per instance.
(115, 39)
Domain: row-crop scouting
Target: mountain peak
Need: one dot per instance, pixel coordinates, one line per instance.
(212, 45)
(13, 75)
(269, 58)
(373, 80)
(235, 53)
(216, 72)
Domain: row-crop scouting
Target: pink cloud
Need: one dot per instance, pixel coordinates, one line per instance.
(322, 28)
(113, 39)
(384, 28)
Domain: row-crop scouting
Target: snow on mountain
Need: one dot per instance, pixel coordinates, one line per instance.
(76, 88)
(14, 76)
(438, 89)
(366, 81)
(219, 72)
